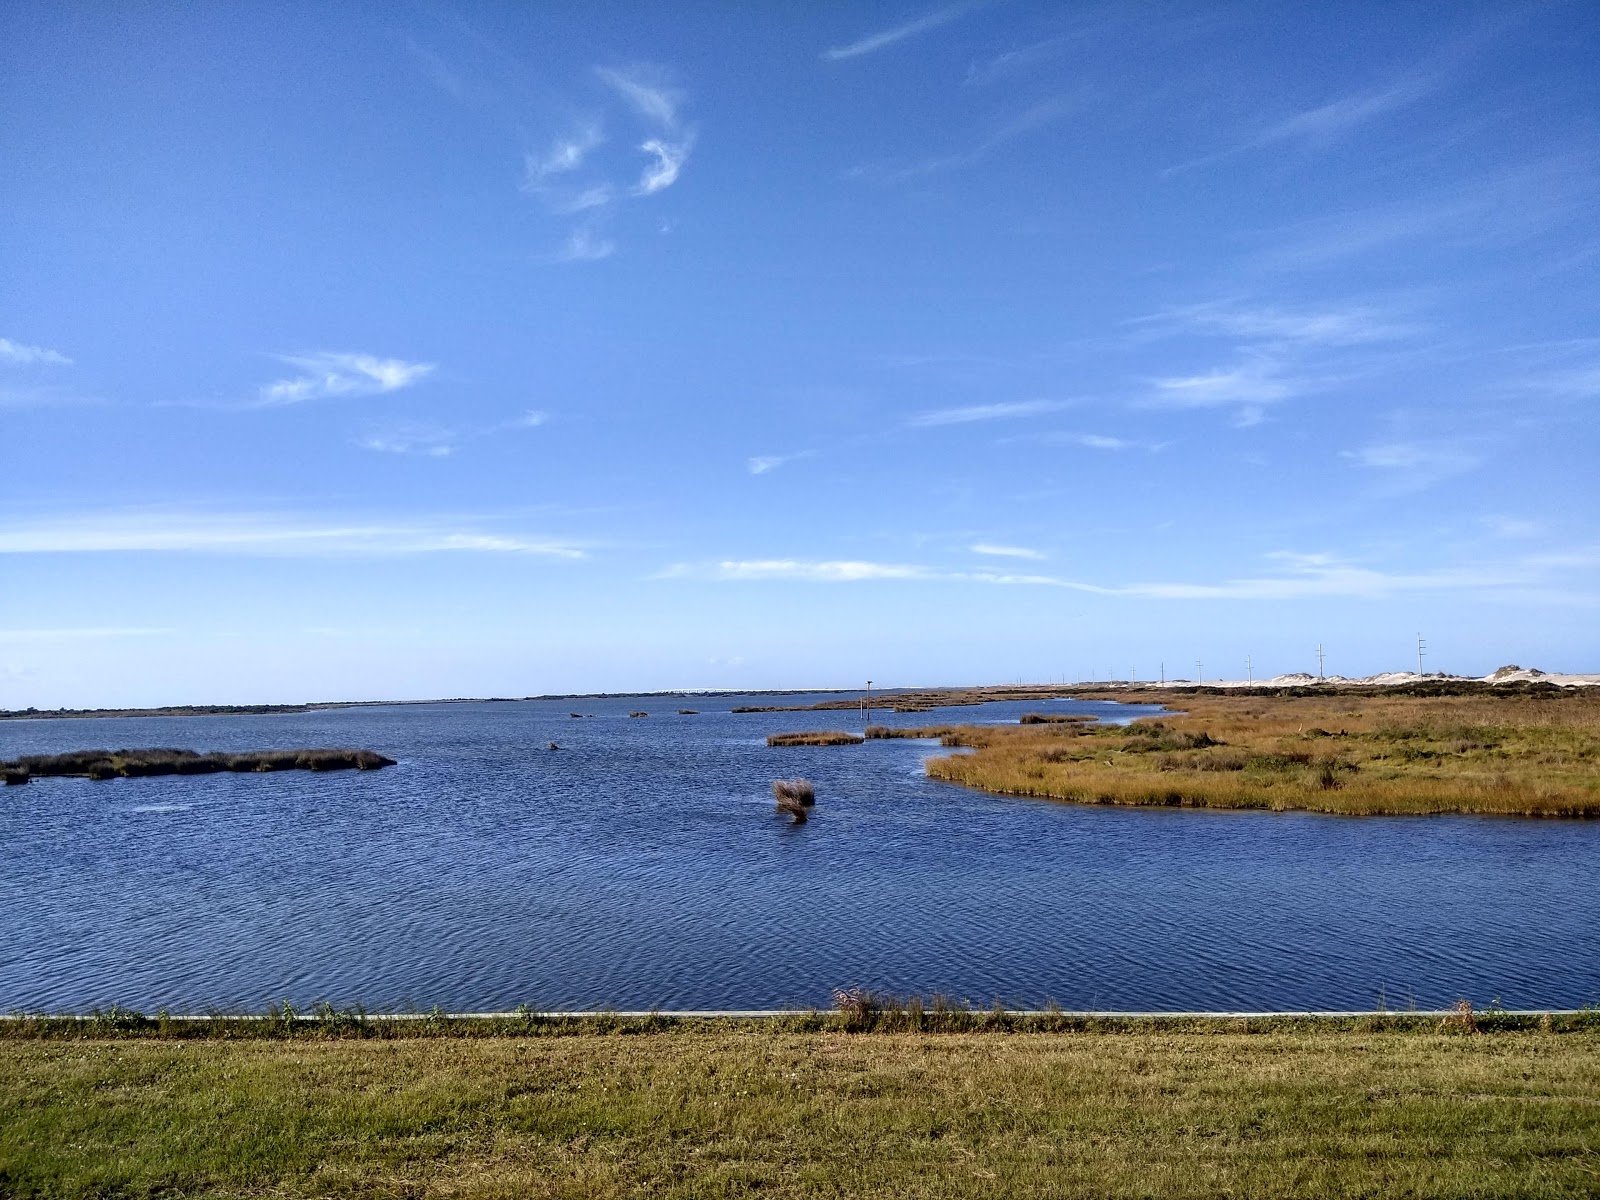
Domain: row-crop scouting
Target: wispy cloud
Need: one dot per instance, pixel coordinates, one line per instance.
(430, 441)
(830, 571)
(1494, 208)
(1100, 441)
(1038, 117)
(23, 355)
(1088, 441)
(1412, 466)
(1512, 527)
(439, 72)
(566, 155)
(168, 531)
(1332, 120)
(645, 88)
(1408, 456)
(438, 441)
(1577, 383)
(1324, 124)
(884, 38)
(1304, 576)
(995, 551)
(761, 464)
(1351, 325)
(986, 412)
(571, 178)
(669, 160)
(1000, 66)
(1289, 576)
(585, 245)
(327, 375)
(549, 175)
(853, 571)
(1247, 388)
(43, 396)
(647, 92)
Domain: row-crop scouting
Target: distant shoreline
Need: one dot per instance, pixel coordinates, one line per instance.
(1397, 682)
(267, 710)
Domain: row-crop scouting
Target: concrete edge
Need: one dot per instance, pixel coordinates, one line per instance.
(682, 1014)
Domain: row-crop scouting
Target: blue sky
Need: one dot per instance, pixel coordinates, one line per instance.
(425, 350)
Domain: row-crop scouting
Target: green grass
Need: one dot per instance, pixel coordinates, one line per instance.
(729, 1109)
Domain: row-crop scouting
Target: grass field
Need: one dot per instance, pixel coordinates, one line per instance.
(1514, 754)
(736, 1111)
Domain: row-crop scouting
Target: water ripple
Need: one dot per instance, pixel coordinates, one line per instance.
(642, 866)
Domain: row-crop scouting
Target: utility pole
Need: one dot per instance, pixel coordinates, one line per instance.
(1163, 672)
(1422, 647)
(1249, 670)
(869, 702)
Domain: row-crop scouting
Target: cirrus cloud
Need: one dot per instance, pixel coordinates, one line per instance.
(327, 375)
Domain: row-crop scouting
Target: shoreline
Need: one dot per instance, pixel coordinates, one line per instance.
(947, 696)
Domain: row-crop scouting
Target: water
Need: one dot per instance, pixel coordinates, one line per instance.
(642, 866)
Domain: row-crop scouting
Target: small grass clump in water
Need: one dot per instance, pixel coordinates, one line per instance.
(1518, 754)
(795, 798)
(129, 764)
(822, 737)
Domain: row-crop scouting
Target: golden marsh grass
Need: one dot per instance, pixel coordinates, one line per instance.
(1513, 755)
(817, 737)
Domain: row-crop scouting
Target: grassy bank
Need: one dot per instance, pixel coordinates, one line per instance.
(816, 737)
(727, 1110)
(128, 764)
(1526, 753)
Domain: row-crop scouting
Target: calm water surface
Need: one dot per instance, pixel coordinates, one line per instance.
(642, 866)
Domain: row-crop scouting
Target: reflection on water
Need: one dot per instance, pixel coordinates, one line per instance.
(641, 866)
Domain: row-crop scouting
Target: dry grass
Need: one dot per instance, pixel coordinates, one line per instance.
(926, 731)
(1529, 754)
(795, 797)
(821, 737)
(785, 1115)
